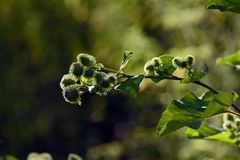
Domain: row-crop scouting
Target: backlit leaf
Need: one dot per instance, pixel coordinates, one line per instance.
(210, 133)
(224, 5)
(131, 86)
(126, 56)
(167, 64)
(192, 110)
(196, 75)
(232, 61)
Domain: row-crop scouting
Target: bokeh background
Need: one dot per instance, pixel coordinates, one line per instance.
(40, 39)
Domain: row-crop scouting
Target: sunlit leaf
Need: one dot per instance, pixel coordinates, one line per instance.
(192, 110)
(196, 75)
(202, 132)
(219, 104)
(211, 133)
(167, 64)
(131, 86)
(167, 68)
(232, 61)
(224, 5)
(126, 56)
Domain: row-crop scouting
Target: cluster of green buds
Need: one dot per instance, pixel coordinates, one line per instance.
(86, 75)
(184, 62)
(154, 66)
(231, 124)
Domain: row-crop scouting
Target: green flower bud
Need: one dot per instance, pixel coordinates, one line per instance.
(156, 61)
(149, 67)
(176, 62)
(233, 135)
(72, 95)
(105, 84)
(190, 60)
(67, 80)
(38, 156)
(99, 76)
(76, 69)
(180, 62)
(72, 156)
(238, 124)
(229, 126)
(88, 77)
(112, 78)
(228, 117)
(86, 59)
(159, 73)
(100, 65)
(183, 64)
(97, 89)
(88, 73)
(105, 80)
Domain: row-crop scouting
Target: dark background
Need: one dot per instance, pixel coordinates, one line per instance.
(40, 39)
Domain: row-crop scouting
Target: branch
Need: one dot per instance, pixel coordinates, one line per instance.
(170, 77)
(235, 113)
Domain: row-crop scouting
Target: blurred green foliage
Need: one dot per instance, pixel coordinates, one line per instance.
(39, 40)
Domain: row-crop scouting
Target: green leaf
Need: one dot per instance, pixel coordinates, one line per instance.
(156, 80)
(180, 113)
(211, 133)
(126, 56)
(202, 132)
(232, 61)
(194, 125)
(192, 110)
(219, 104)
(131, 86)
(11, 157)
(167, 67)
(224, 137)
(167, 64)
(196, 75)
(235, 96)
(224, 5)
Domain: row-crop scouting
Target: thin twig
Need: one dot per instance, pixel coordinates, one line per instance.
(235, 113)
(170, 77)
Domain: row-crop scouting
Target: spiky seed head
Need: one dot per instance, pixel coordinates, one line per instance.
(229, 126)
(86, 59)
(105, 84)
(72, 95)
(112, 78)
(228, 117)
(88, 73)
(183, 64)
(99, 76)
(149, 67)
(67, 80)
(176, 62)
(238, 124)
(76, 69)
(179, 62)
(190, 60)
(156, 61)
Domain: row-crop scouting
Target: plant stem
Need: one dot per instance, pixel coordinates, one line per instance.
(170, 77)
(235, 113)
(205, 86)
